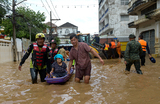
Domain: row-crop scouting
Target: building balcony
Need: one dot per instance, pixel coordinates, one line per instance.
(105, 29)
(133, 5)
(101, 3)
(135, 24)
(101, 19)
(152, 15)
(137, 5)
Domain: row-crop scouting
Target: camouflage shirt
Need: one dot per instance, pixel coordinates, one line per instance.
(133, 51)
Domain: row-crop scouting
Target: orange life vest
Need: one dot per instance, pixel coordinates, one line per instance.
(39, 56)
(143, 44)
(113, 45)
(118, 45)
(106, 47)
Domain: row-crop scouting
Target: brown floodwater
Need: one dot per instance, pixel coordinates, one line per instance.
(108, 85)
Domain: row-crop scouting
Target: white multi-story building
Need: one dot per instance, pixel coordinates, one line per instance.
(114, 19)
(148, 23)
(64, 32)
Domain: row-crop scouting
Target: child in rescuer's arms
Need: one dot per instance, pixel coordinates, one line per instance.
(58, 67)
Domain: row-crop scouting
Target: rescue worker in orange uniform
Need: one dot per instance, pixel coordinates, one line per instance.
(40, 61)
(118, 48)
(105, 49)
(145, 46)
(112, 45)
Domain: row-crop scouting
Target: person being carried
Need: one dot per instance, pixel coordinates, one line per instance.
(40, 61)
(59, 68)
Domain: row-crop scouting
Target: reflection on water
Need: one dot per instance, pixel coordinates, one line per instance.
(108, 85)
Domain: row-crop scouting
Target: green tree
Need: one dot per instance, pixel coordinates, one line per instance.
(26, 18)
(57, 40)
(4, 8)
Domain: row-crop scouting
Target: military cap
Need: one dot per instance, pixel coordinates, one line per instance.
(132, 36)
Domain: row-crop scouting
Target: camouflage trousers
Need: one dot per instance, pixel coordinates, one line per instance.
(136, 64)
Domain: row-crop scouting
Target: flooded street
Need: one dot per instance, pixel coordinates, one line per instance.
(108, 85)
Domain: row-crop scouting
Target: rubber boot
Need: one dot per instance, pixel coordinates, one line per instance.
(33, 75)
(139, 72)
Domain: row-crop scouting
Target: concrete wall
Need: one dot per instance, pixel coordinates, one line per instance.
(150, 25)
(25, 44)
(157, 38)
(120, 27)
(113, 17)
(5, 51)
(145, 27)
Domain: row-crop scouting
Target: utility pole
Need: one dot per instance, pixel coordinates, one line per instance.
(14, 47)
(50, 34)
(14, 33)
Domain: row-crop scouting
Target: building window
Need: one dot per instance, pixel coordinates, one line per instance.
(149, 9)
(103, 24)
(149, 36)
(124, 18)
(67, 31)
(111, 32)
(47, 30)
(52, 30)
(124, 2)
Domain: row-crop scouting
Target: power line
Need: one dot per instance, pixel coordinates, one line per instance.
(50, 8)
(74, 6)
(45, 7)
(54, 9)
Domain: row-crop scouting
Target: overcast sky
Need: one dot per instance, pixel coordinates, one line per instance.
(82, 13)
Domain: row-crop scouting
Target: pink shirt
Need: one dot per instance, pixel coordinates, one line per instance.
(81, 55)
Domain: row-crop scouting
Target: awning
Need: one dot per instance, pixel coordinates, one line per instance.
(65, 45)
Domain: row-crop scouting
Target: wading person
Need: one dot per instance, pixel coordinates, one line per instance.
(112, 45)
(80, 52)
(53, 50)
(118, 48)
(145, 46)
(132, 54)
(39, 61)
(105, 49)
(62, 51)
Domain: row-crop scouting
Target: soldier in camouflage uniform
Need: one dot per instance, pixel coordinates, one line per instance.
(132, 54)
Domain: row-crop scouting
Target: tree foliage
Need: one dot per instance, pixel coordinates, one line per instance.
(57, 40)
(4, 8)
(25, 19)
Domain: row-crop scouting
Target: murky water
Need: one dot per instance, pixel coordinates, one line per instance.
(108, 85)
